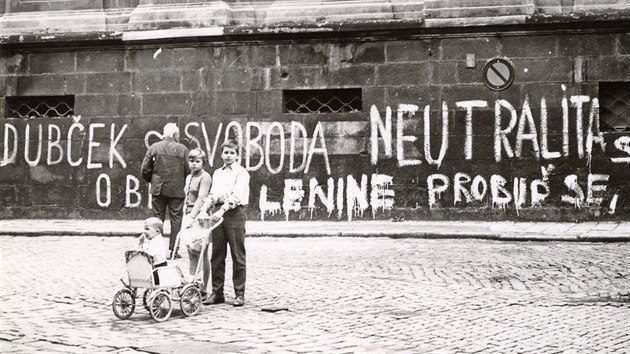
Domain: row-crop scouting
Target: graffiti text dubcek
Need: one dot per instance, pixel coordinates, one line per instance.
(294, 149)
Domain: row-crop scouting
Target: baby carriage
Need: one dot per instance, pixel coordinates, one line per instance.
(162, 286)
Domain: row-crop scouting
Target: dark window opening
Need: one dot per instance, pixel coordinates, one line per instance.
(322, 101)
(39, 106)
(614, 112)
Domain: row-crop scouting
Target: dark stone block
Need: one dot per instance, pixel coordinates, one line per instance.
(8, 86)
(143, 59)
(191, 81)
(456, 49)
(269, 102)
(156, 82)
(373, 96)
(192, 58)
(444, 73)
(60, 196)
(96, 105)
(17, 172)
(114, 83)
(304, 54)
(543, 70)
(608, 69)
(15, 64)
(263, 55)
(235, 79)
(529, 46)
(587, 44)
(40, 85)
(295, 78)
(75, 84)
(128, 105)
(412, 50)
(166, 104)
(352, 76)
(418, 95)
(101, 61)
(202, 103)
(231, 57)
(403, 74)
(623, 43)
(225, 102)
(454, 93)
(368, 53)
(209, 79)
(245, 102)
(469, 75)
(51, 62)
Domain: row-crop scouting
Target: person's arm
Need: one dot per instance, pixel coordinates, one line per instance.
(241, 187)
(204, 191)
(210, 198)
(234, 199)
(147, 166)
(187, 170)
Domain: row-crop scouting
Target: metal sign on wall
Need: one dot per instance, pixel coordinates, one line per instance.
(498, 74)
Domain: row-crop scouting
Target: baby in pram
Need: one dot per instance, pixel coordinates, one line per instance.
(152, 242)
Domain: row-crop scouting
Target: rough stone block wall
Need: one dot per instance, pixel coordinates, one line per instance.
(361, 165)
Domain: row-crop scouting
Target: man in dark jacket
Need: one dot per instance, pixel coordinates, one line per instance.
(165, 166)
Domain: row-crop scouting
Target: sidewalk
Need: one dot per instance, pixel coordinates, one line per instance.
(497, 230)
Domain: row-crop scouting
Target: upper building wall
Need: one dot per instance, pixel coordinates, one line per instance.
(30, 20)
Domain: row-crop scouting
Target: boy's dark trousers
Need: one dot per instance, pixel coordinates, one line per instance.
(230, 232)
(175, 208)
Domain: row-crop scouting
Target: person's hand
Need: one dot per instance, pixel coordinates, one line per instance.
(187, 223)
(218, 215)
(142, 239)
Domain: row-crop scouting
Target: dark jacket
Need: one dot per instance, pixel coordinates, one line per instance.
(165, 166)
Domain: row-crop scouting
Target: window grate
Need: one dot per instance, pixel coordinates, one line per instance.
(322, 101)
(39, 106)
(614, 98)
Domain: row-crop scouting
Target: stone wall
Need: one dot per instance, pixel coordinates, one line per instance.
(430, 140)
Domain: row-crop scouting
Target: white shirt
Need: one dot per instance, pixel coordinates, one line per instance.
(156, 247)
(230, 187)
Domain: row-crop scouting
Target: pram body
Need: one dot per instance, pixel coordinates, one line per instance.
(158, 296)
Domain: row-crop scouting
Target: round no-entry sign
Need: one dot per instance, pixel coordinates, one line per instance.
(498, 74)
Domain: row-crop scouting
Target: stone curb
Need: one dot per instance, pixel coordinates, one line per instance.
(521, 237)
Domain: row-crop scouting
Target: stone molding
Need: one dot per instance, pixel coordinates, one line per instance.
(215, 18)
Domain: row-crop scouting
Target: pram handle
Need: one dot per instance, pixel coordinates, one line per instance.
(198, 220)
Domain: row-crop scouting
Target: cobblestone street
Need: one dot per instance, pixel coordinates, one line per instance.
(344, 295)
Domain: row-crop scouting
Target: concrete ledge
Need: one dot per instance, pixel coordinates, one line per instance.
(503, 231)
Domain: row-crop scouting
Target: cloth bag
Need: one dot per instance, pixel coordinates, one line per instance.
(194, 236)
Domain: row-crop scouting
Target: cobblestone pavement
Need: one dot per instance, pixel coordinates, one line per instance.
(344, 295)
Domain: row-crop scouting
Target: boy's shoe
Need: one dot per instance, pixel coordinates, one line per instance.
(213, 299)
(238, 301)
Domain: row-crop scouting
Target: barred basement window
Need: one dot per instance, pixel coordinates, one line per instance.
(614, 112)
(322, 101)
(39, 106)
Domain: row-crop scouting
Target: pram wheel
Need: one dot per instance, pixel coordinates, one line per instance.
(124, 303)
(145, 298)
(160, 306)
(190, 300)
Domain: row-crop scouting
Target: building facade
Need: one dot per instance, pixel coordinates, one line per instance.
(346, 110)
